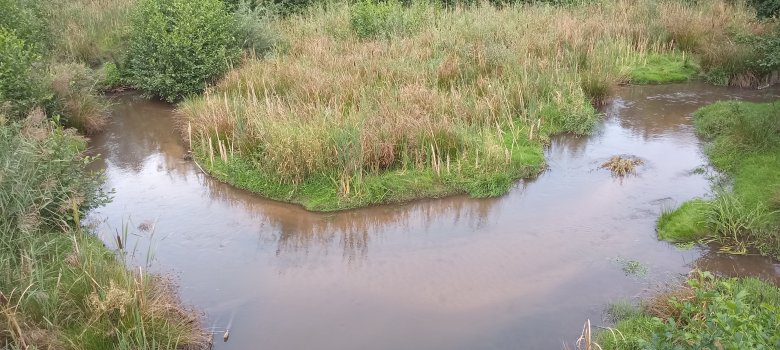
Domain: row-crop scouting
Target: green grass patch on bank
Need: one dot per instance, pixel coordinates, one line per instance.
(658, 68)
(684, 224)
(743, 143)
(706, 313)
(329, 192)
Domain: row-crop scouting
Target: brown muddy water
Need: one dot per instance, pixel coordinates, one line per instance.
(523, 271)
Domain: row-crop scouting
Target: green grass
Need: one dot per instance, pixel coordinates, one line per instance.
(744, 144)
(707, 313)
(670, 67)
(326, 192)
(684, 224)
(60, 288)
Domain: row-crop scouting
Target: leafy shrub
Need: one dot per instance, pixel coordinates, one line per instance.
(708, 313)
(19, 86)
(767, 48)
(253, 32)
(109, 77)
(25, 19)
(177, 47)
(282, 7)
(371, 19)
(766, 8)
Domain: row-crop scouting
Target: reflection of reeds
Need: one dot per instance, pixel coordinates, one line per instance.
(296, 230)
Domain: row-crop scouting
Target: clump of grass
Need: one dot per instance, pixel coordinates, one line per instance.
(686, 223)
(75, 89)
(621, 166)
(706, 312)
(622, 310)
(60, 288)
(735, 224)
(664, 68)
(354, 109)
(90, 31)
(633, 267)
(743, 143)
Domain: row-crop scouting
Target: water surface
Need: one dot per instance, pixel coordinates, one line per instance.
(523, 271)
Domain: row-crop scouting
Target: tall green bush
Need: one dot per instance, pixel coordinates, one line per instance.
(766, 8)
(767, 48)
(177, 47)
(19, 87)
(372, 19)
(25, 18)
(253, 31)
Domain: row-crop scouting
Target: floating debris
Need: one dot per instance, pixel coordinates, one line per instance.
(622, 166)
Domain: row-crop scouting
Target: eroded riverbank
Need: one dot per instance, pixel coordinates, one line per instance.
(521, 271)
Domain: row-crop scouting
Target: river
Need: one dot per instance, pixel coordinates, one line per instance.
(523, 271)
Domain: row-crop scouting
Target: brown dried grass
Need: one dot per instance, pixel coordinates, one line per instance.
(622, 166)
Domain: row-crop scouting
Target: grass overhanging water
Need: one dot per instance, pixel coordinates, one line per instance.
(59, 285)
(743, 143)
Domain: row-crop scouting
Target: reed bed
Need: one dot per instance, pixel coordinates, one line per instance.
(89, 31)
(60, 288)
(362, 104)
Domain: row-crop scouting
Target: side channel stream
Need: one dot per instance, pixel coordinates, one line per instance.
(523, 271)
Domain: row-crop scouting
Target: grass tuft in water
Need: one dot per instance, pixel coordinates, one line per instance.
(621, 166)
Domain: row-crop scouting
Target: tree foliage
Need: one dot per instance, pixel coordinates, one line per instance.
(177, 47)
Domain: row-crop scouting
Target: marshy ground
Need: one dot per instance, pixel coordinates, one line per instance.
(332, 106)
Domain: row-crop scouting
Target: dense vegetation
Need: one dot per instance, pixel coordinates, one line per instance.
(59, 286)
(343, 104)
(179, 46)
(743, 143)
(378, 102)
(706, 313)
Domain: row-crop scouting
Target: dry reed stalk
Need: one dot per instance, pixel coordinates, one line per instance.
(211, 151)
(10, 315)
(585, 341)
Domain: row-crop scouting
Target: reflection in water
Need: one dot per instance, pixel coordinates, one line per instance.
(739, 265)
(297, 232)
(665, 112)
(452, 273)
